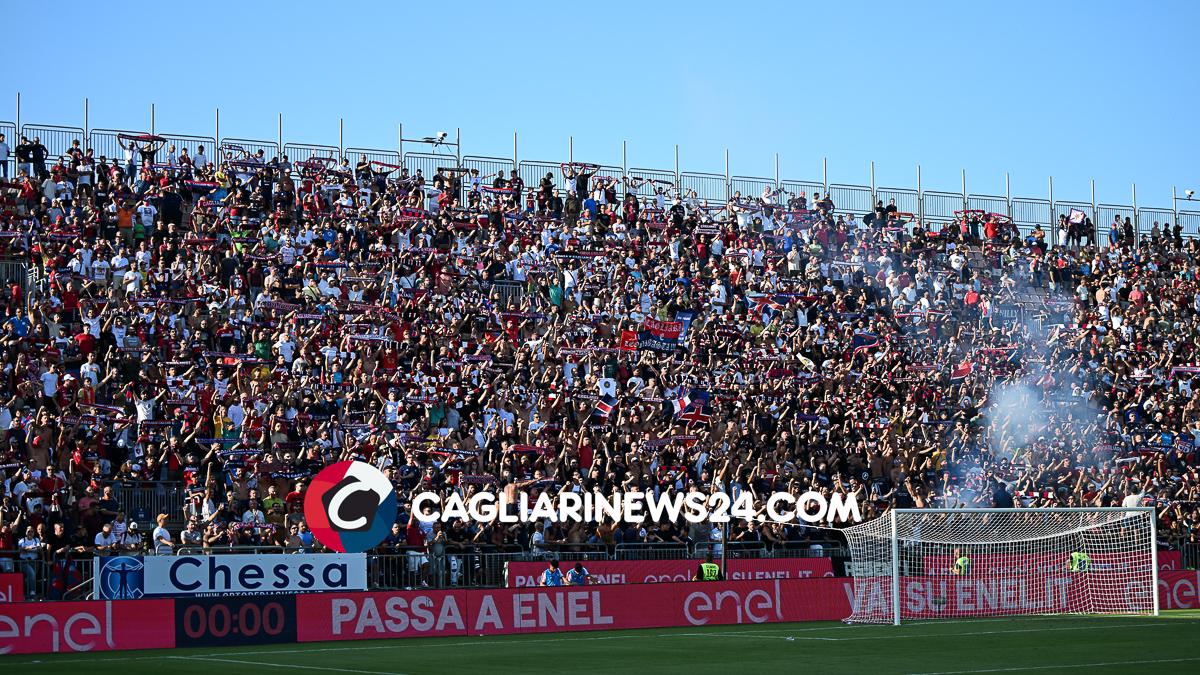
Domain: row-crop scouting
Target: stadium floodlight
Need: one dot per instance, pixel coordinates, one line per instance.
(960, 563)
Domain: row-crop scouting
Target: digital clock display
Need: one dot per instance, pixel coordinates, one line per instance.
(237, 620)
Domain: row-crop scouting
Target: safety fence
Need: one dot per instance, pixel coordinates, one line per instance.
(23, 275)
(930, 206)
(50, 576)
(68, 576)
(510, 293)
(143, 501)
(9, 166)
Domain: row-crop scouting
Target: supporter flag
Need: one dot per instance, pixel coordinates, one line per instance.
(806, 362)
(775, 302)
(660, 336)
(684, 318)
(961, 372)
(864, 342)
(692, 403)
(629, 341)
(699, 414)
(604, 406)
(1076, 217)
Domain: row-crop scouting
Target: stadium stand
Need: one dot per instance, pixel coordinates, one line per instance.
(195, 329)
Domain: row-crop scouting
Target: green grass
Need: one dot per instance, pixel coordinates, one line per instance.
(1085, 645)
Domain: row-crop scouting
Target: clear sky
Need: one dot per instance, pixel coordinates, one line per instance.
(1078, 90)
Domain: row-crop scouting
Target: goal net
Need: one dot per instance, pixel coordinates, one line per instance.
(957, 563)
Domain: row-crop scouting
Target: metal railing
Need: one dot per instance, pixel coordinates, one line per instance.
(511, 292)
(143, 501)
(51, 577)
(488, 167)
(710, 186)
(374, 155)
(930, 205)
(637, 551)
(10, 137)
(56, 138)
(270, 148)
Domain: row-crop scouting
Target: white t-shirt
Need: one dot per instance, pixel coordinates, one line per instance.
(159, 547)
(146, 213)
(145, 409)
(49, 383)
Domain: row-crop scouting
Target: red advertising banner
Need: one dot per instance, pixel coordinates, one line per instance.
(27, 627)
(355, 616)
(12, 587)
(522, 574)
(1179, 589)
(39, 627)
(1170, 560)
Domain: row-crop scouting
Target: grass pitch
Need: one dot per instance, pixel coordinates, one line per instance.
(1165, 644)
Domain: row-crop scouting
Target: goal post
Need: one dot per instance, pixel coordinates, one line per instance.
(965, 563)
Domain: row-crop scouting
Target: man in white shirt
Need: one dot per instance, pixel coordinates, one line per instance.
(4, 152)
(200, 160)
(30, 547)
(50, 382)
(146, 213)
(254, 515)
(161, 538)
(105, 539)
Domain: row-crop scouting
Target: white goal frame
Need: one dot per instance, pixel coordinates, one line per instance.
(872, 537)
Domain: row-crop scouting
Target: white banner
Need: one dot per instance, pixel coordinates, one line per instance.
(130, 577)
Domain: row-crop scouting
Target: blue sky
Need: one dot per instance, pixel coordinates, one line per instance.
(1077, 90)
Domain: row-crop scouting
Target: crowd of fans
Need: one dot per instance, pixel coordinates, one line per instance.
(236, 322)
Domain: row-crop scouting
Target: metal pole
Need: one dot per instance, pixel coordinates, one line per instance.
(515, 150)
(1054, 221)
(86, 126)
(825, 173)
(341, 138)
(1154, 559)
(279, 135)
(920, 198)
(964, 187)
(728, 194)
(896, 571)
(777, 182)
(872, 180)
(624, 158)
(1137, 219)
(19, 131)
(676, 163)
(151, 118)
(570, 148)
(457, 146)
(217, 132)
(1008, 194)
(1094, 216)
(1174, 205)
